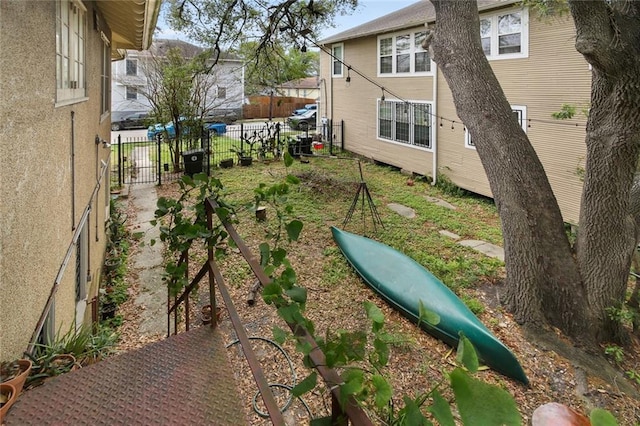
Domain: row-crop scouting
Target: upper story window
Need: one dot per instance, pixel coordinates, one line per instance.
(337, 52)
(405, 122)
(519, 112)
(505, 35)
(70, 51)
(403, 54)
(132, 67)
(222, 92)
(132, 93)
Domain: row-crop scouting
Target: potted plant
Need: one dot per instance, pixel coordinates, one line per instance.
(245, 157)
(226, 163)
(15, 373)
(8, 396)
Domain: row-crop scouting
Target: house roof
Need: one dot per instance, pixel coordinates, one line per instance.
(132, 22)
(161, 46)
(411, 16)
(302, 83)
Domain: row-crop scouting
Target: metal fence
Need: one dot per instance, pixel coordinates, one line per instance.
(140, 160)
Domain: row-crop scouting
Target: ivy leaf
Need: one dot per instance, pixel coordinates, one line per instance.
(441, 410)
(293, 230)
(288, 159)
(279, 335)
(467, 355)
(297, 294)
(411, 414)
(288, 278)
(265, 254)
(382, 351)
(306, 385)
(480, 403)
(271, 292)
(384, 393)
(374, 313)
(353, 384)
(289, 313)
(426, 316)
(278, 255)
(600, 417)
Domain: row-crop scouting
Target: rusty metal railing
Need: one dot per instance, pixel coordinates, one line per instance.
(340, 416)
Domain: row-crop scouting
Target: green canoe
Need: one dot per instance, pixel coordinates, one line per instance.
(403, 282)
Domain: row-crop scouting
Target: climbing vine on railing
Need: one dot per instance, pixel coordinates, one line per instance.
(183, 222)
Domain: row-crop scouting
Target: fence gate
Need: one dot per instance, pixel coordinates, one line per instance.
(142, 161)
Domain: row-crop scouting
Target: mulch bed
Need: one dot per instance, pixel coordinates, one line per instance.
(418, 361)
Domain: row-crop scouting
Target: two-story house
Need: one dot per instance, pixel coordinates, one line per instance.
(308, 87)
(224, 88)
(55, 115)
(398, 109)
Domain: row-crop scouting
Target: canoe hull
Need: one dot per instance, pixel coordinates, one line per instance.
(403, 283)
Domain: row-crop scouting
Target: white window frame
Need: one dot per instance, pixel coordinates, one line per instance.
(105, 76)
(134, 89)
(412, 112)
(414, 49)
(493, 34)
(134, 63)
(520, 109)
(71, 38)
(337, 59)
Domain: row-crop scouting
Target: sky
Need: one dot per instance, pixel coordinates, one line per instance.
(367, 10)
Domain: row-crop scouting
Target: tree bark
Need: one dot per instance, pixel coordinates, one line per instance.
(543, 283)
(607, 36)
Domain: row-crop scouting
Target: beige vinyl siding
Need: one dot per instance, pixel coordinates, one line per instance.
(357, 104)
(553, 74)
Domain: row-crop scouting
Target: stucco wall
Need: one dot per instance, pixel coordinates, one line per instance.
(42, 147)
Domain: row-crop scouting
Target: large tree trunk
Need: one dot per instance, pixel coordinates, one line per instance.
(544, 285)
(608, 35)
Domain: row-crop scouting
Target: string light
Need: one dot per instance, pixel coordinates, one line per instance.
(305, 33)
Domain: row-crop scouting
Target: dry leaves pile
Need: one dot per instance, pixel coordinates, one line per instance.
(418, 361)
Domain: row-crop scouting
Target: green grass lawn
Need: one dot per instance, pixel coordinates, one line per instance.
(327, 189)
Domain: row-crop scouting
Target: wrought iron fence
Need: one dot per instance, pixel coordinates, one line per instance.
(140, 160)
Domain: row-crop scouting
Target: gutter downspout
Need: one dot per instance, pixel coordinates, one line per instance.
(434, 165)
(73, 170)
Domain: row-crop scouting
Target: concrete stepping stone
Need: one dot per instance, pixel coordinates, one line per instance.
(405, 211)
(488, 249)
(439, 202)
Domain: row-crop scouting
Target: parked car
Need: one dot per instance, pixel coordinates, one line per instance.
(138, 120)
(214, 128)
(303, 121)
(306, 108)
(221, 115)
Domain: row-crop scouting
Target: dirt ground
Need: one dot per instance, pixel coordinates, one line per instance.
(418, 361)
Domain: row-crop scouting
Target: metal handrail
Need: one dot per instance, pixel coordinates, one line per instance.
(332, 379)
(352, 412)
